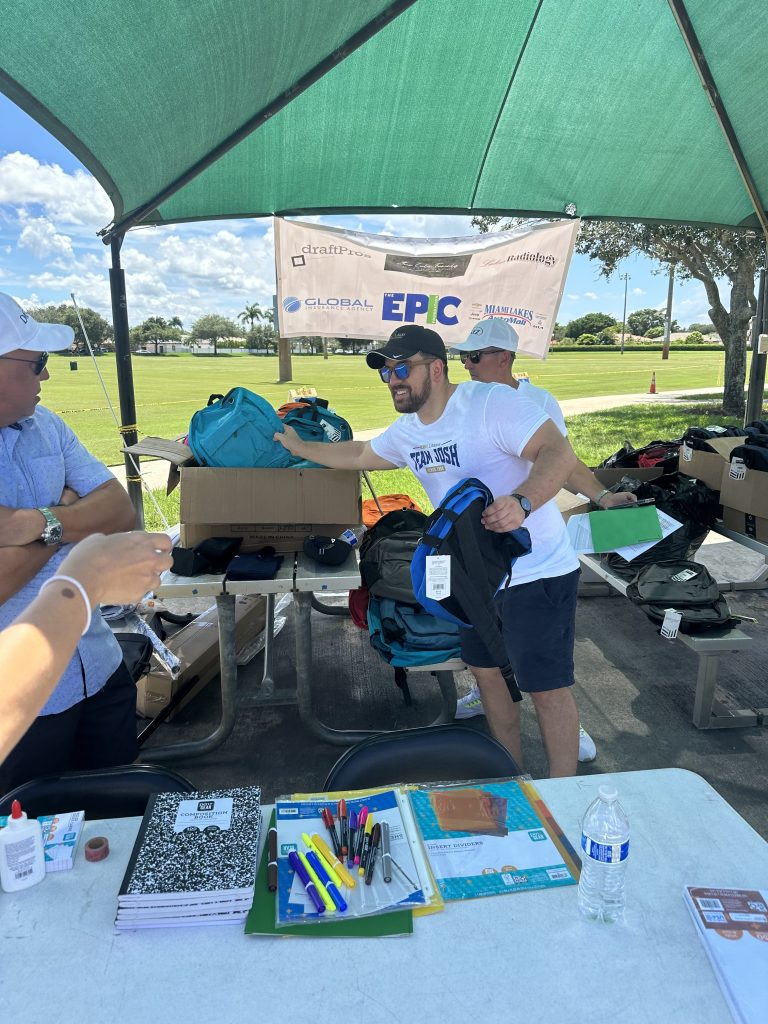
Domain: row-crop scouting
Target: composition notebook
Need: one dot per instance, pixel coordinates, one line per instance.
(194, 860)
(732, 925)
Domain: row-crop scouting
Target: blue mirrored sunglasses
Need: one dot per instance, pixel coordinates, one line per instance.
(402, 370)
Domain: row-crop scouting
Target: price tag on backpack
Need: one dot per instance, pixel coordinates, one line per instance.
(738, 469)
(671, 623)
(438, 576)
(684, 575)
(687, 452)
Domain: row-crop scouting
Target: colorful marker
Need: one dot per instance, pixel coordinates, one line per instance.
(386, 856)
(343, 829)
(328, 822)
(366, 845)
(335, 863)
(352, 837)
(272, 861)
(361, 834)
(328, 868)
(319, 887)
(322, 874)
(306, 881)
(375, 841)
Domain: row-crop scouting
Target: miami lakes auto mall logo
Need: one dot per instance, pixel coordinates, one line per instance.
(292, 304)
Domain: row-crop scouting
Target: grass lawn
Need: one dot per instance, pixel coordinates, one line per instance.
(169, 389)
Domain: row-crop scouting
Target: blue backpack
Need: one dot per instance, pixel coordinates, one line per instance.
(405, 635)
(481, 561)
(237, 429)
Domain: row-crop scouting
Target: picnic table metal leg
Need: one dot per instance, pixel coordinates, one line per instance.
(268, 677)
(225, 606)
(303, 603)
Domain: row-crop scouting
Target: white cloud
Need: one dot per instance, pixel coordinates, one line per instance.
(39, 235)
(74, 199)
(590, 295)
(638, 291)
(573, 298)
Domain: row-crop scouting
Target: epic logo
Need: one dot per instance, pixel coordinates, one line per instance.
(434, 306)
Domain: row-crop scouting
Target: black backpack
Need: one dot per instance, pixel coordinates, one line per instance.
(685, 586)
(386, 552)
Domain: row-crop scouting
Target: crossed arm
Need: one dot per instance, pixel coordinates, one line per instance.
(107, 509)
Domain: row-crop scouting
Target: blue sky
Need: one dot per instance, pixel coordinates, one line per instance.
(51, 209)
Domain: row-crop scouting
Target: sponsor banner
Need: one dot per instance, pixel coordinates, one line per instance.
(334, 283)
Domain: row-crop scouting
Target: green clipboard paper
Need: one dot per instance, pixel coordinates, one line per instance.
(261, 916)
(622, 527)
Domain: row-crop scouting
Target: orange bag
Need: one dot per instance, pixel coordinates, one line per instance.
(389, 503)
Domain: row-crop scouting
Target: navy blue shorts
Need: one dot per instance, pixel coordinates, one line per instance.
(539, 626)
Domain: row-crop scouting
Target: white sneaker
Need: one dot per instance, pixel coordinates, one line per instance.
(470, 705)
(587, 748)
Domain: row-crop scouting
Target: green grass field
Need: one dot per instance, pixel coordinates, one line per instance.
(169, 389)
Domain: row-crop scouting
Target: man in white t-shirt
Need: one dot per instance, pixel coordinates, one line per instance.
(488, 355)
(448, 432)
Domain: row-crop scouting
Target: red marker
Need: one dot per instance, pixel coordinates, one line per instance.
(328, 822)
(343, 829)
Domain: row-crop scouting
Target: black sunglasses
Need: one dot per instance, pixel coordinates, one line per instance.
(402, 370)
(477, 355)
(38, 365)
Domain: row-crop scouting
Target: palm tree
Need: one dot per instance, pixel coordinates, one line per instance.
(251, 314)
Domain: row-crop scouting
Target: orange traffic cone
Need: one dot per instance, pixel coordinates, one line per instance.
(652, 388)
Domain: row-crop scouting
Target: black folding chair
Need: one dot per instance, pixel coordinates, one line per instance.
(447, 753)
(119, 792)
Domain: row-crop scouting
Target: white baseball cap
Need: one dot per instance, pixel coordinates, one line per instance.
(491, 333)
(19, 330)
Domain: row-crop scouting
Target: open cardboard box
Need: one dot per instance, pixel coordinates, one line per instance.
(750, 525)
(276, 507)
(745, 490)
(197, 645)
(709, 467)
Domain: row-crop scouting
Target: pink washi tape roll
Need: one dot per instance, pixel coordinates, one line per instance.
(97, 848)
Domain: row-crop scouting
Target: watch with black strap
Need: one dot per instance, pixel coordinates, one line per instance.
(525, 504)
(53, 529)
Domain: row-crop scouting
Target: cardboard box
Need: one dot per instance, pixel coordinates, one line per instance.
(197, 645)
(745, 489)
(570, 505)
(750, 525)
(283, 537)
(708, 467)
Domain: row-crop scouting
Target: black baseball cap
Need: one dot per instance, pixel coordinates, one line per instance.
(406, 342)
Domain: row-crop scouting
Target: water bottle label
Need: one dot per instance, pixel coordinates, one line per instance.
(605, 853)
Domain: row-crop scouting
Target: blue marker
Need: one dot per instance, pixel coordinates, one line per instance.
(352, 833)
(306, 881)
(322, 874)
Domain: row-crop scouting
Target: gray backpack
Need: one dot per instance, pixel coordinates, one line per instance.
(685, 586)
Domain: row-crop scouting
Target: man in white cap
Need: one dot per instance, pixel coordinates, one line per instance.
(488, 355)
(445, 433)
(52, 494)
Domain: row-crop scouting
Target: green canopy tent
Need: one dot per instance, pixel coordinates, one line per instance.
(643, 110)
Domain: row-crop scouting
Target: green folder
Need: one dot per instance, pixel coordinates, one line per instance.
(621, 527)
(261, 916)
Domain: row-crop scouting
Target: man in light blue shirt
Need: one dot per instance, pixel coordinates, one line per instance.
(52, 494)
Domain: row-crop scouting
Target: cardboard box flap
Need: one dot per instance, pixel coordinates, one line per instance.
(722, 446)
(175, 452)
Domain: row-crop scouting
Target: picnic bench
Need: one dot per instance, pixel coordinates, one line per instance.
(708, 711)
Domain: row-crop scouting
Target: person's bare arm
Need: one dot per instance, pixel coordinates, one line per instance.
(553, 462)
(583, 480)
(36, 647)
(19, 565)
(343, 455)
(107, 509)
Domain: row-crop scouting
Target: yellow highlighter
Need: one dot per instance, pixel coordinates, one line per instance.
(328, 867)
(366, 845)
(330, 906)
(332, 861)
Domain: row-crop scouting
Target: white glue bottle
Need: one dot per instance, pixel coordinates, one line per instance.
(22, 861)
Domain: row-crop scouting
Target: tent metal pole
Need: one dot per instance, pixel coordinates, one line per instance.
(754, 407)
(125, 375)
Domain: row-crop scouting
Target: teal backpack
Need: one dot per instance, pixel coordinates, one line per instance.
(237, 430)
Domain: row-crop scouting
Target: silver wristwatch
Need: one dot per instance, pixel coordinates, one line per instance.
(53, 529)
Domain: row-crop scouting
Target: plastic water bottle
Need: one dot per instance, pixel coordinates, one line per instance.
(605, 848)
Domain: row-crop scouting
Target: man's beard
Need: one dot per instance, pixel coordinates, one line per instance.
(414, 400)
